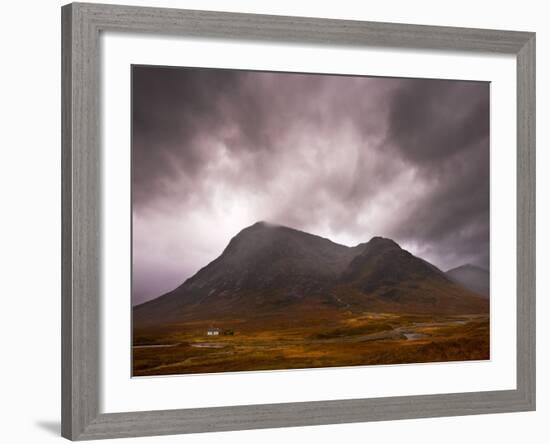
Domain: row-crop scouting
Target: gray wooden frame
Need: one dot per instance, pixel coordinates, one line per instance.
(81, 166)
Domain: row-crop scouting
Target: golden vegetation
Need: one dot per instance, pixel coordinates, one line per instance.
(349, 340)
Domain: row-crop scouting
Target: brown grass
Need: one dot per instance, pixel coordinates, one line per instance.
(355, 339)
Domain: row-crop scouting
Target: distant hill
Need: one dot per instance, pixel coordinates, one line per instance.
(275, 272)
(473, 278)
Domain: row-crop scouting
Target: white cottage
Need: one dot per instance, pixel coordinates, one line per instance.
(213, 331)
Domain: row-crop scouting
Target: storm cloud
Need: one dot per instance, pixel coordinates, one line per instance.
(344, 157)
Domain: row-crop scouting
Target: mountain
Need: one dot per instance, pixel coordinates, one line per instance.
(273, 271)
(471, 277)
(392, 279)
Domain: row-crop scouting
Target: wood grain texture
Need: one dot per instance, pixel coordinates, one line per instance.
(526, 221)
(230, 25)
(66, 225)
(81, 222)
(119, 425)
(81, 239)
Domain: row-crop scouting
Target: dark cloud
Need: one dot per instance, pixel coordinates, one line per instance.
(340, 156)
(442, 128)
(432, 120)
(171, 110)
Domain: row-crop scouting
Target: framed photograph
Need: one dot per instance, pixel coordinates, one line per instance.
(278, 221)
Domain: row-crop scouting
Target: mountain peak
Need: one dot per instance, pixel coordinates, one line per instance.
(472, 277)
(467, 266)
(259, 228)
(264, 224)
(381, 243)
(267, 268)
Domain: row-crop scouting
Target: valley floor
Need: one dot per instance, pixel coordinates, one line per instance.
(356, 339)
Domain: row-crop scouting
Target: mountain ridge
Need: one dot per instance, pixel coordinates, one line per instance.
(472, 277)
(273, 270)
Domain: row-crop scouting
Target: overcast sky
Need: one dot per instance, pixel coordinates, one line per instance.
(343, 157)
